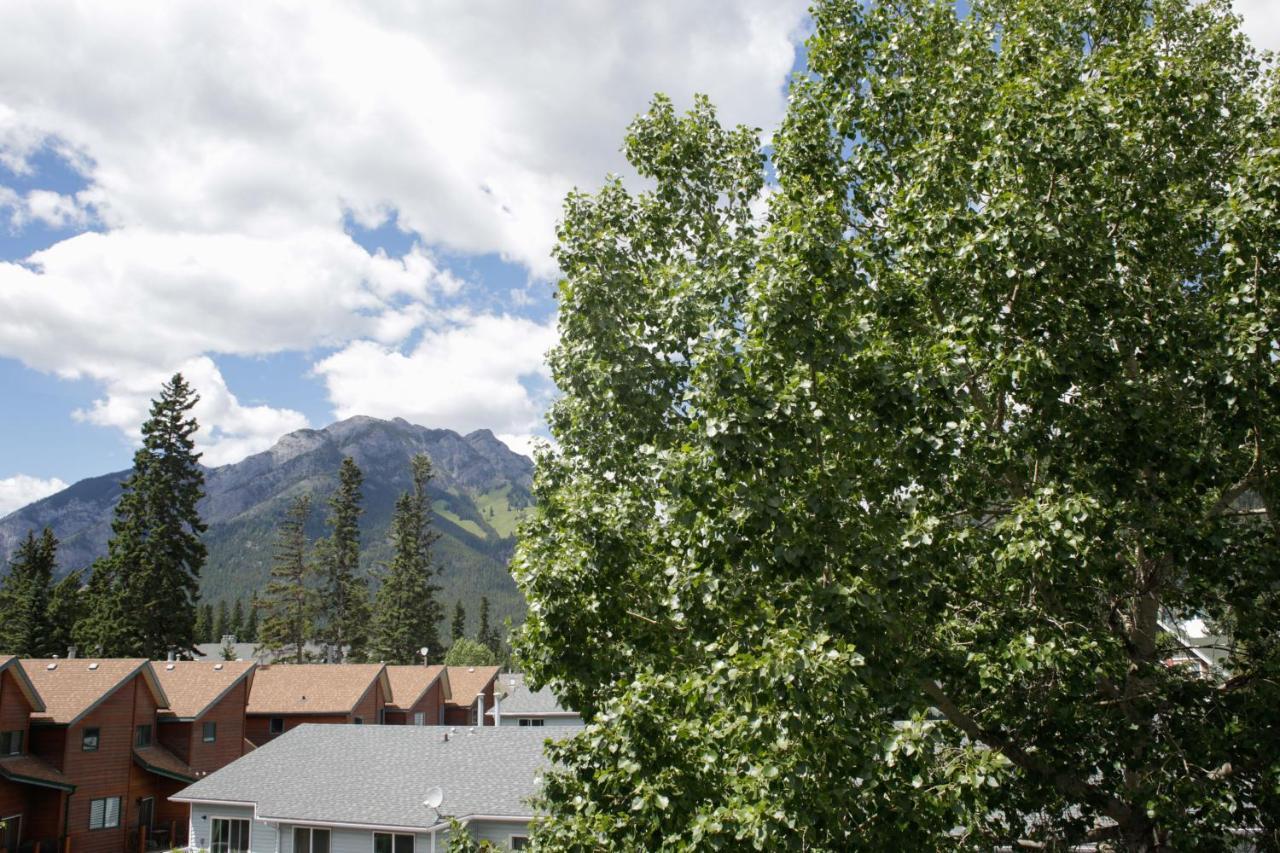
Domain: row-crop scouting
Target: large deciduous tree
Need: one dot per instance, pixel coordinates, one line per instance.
(406, 613)
(870, 510)
(143, 593)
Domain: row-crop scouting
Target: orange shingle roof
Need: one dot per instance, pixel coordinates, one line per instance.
(312, 688)
(194, 686)
(28, 769)
(159, 760)
(408, 683)
(72, 687)
(468, 682)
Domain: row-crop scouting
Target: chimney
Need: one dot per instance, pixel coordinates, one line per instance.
(497, 708)
(71, 652)
(173, 656)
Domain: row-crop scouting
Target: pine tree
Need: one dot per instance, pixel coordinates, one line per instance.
(221, 622)
(407, 613)
(488, 635)
(66, 608)
(459, 628)
(251, 626)
(345, 622)
(288, 607)
(24, 597)
(142, 596)
(204, 623)
(236, 627)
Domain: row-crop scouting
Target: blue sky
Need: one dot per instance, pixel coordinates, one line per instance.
(315, 210)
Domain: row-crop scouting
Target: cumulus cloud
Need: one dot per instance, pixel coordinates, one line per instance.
(474, 373)
(224, 146)
(18, 491)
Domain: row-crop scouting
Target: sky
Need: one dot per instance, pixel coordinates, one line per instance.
(320, 209)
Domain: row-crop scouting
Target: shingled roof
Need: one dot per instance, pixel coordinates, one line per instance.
(519, 701)
(408, 683)
(468, 682)
(193, 687)
(162, 762)
(29, 770)
(72, 687)
(378, 775)
(313, 688)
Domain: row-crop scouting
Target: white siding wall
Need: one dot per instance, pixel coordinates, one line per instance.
(514, 720)
(498, 833)
(262, 836)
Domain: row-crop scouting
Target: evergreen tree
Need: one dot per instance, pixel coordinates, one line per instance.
(488, 635)
(345, 622)
(24, 597)
(458, 630)
(66, 608)
(407, 613)
(221, 622)
(237, 620)
(251, 626)
(204, 623)
(288, 606)
(142, 596)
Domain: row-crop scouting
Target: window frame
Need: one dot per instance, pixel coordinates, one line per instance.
(207, 734)
(139, 731)
(105, 825)
(357, 721)
(413, 840)
(84, 739)
(15, 738)
(271, 726)
(513, 837)
(248, 837)
(311, 831)
(14, 820)
(419, 718)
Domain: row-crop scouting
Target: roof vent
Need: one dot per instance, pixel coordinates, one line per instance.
(216, 666)
(169, 667)
(93, 666)
(51, 667)
(471, 669)
(471, 730)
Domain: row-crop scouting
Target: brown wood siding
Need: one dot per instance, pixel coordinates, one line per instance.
(373, 701)
(430, 703)
(228, 715)
(176, 737)
(258, 727)
(49, 743)
(15, 710)
(488, 703)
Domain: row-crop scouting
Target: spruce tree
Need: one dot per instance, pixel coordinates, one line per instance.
(66, 608)
(459, 628)
(221, 622)
(345, 622)
(251, 625)
(204, 623)
(488, 635)
(143, 594)
(24, 597)
(237, 620)
(407, 613)
(288, 607)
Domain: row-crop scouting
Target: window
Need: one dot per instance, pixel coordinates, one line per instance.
(210, 733)
(230, 836)
(143, 736)
(525, 721)
(385, 842)
(359, 721)
(277, 725)
(89, 740)
(10, 743)
(519, 842)
(10, 832)
(419, 718)
(309, 840)
(104, 813)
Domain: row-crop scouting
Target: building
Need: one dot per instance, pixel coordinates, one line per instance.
(33, 793)
(232, 649)
(517, 705)
(472, 689)
(283, 696)
(418, 695)
(377, 788)
(204, 726)
(98, 730)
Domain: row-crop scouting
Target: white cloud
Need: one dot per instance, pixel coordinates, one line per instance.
(465, 376)
(1261, 22)
(224, 144)
(20, 490)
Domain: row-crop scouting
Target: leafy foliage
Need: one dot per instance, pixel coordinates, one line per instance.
(867, 512)
(406, 613)
(142, 594)
(467, 652)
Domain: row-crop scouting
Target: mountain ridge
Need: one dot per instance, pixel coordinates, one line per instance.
(480, 490)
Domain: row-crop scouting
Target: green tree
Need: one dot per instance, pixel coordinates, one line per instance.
(24, 597)
(467, 652)
(142, 596)
(344, 604)
(488, 634)
(221, 622)
(66, 609)
(289, 602)
(204, 623)
(236, 625)
(251, 625)
(407, 614)
(458, 628)
(868, 508)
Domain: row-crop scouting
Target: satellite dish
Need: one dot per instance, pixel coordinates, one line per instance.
(435, 796)
(423, 651)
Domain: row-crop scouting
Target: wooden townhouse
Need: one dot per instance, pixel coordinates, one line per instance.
(204, 727)
(33, 793)
(283, 696)
(98, 729)
(472, 689)
(418, 695)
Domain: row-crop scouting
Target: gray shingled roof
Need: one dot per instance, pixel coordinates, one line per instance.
(379, 775)
(521, 701)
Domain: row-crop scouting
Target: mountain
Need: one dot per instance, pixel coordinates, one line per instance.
(480, 490)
